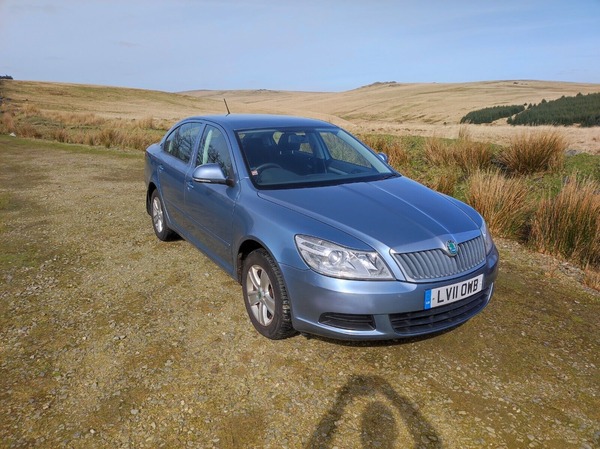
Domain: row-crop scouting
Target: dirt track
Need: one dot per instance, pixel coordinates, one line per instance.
(110, 338)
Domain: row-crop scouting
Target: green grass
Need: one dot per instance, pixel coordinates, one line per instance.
(587, 165)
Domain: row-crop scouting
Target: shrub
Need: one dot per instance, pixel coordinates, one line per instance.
(501, 201)
(569, 224)
(543, 151)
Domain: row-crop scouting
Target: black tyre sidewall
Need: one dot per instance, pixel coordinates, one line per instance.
(281, 326)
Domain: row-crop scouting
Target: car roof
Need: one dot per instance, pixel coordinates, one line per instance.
(254, 121)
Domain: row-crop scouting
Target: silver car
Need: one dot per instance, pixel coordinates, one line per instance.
(323, 235)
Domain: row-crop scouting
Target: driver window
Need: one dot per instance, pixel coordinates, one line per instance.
(214, 150)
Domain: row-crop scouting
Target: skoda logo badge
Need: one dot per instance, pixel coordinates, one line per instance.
(452, 247)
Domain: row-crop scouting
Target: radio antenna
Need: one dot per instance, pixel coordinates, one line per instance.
(225, 101)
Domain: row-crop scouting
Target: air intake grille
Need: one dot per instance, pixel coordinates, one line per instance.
(424, 266)
(443, 317)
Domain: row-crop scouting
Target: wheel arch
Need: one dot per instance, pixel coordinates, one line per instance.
(151, 188)
(246, 248)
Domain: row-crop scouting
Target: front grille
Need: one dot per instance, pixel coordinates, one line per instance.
(348, 321)
(424, 266)
(439, 318)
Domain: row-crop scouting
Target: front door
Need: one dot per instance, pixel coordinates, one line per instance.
(210, 206)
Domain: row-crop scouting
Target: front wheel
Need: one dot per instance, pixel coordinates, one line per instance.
(265, 296)
(157, 211)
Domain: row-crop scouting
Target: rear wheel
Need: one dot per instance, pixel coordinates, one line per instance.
(265, 296)
(157, 211)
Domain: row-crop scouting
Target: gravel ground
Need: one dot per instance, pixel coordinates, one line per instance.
(110, 338)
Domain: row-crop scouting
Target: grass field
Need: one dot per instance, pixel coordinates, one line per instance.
(385, 108)
(383, 114)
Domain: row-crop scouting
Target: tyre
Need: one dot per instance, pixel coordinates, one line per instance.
(159, 222)
(265, 296)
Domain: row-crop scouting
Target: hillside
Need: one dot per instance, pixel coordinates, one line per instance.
(418, 109)
(401, 109)
(408, 103)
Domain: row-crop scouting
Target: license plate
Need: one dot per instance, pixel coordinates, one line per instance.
(451, 293)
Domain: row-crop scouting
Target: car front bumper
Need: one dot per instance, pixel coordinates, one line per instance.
(379, 310)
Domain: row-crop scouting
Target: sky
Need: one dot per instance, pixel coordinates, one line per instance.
(300, 45)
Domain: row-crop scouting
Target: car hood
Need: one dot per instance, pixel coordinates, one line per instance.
(397, 213)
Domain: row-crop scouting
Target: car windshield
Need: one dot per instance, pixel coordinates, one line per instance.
(289, 158)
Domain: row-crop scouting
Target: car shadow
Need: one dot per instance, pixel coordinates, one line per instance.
(378, 427)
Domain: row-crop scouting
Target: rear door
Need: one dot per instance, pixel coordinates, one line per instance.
(178, 149)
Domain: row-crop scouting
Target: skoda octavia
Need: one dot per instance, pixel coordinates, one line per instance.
(322, 234)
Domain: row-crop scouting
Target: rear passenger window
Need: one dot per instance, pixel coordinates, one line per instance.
(180, 143)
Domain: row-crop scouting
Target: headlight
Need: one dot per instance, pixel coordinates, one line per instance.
(340, 262)
(487, 238)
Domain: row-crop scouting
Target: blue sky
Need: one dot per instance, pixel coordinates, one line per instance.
(310, 45)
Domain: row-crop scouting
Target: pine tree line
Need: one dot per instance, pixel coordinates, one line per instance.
(488, 115)
(581, 109)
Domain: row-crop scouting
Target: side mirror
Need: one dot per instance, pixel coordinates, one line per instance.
(211, 174)
(383, 157)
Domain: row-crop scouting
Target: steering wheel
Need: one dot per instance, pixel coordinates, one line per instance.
(266, 165)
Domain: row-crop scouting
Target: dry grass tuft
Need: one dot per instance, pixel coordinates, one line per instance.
(73, 119)
(437, 152)
(28, 130)
(591, 278)
(7, 124)
(60, 135)
(146, 123)
(464, 133)
(542, 151)
(397, 156)
(82, 128)
(569, 224)
(31, 109)
(465, 153)
(501, 201)
(443, 179)
(471, 156)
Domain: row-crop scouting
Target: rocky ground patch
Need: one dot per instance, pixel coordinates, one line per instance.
(110, 338)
